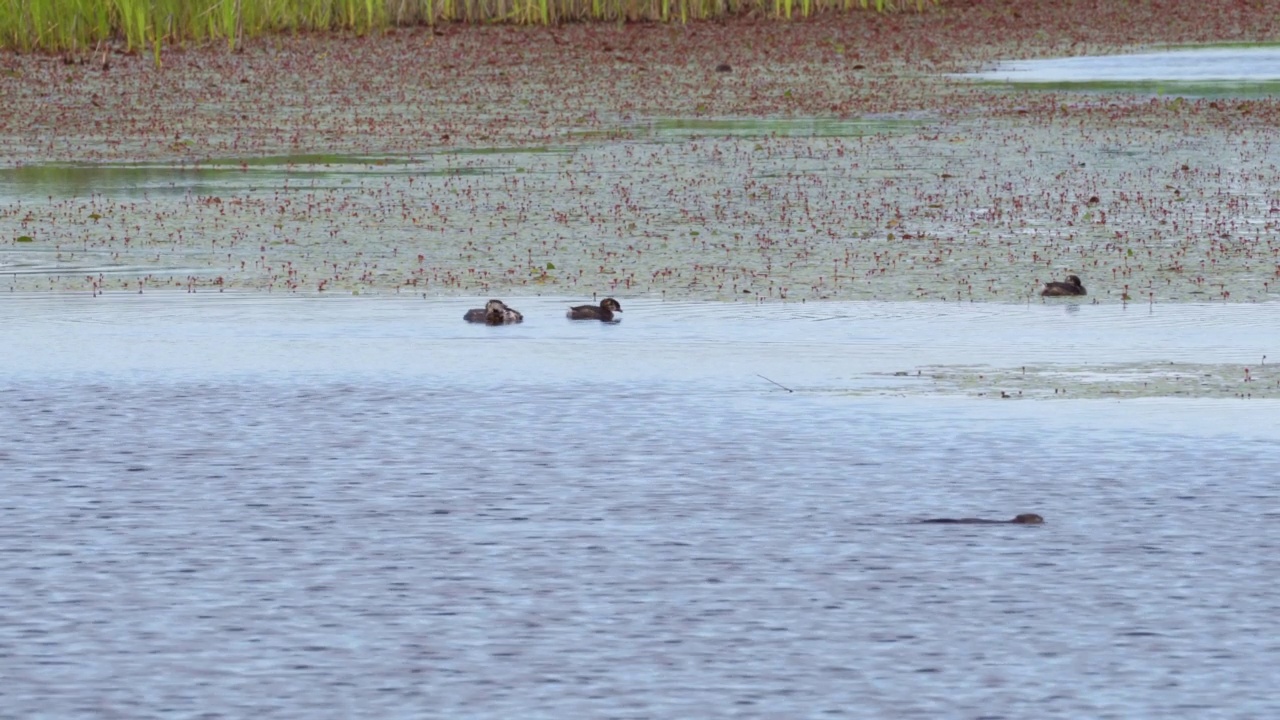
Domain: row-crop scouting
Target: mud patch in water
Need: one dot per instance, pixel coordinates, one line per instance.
(1121, 380)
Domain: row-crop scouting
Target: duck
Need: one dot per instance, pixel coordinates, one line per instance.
(494, 312)
(1023, 519)
(1072, 286)
(604, 311)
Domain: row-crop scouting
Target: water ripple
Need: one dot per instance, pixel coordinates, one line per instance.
(359, 508)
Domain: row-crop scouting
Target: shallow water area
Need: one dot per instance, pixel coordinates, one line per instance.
(1231, 71)
(820, 347)
(905, 211)
(294, 507)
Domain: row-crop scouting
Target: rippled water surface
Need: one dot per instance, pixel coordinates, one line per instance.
(235, 506)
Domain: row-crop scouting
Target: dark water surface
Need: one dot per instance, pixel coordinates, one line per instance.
(226, 506)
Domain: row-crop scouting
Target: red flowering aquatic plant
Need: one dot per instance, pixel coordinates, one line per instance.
(744, 159)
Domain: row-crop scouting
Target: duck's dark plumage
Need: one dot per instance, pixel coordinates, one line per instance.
(1072, 286)
(494, 312)
(604, 311)
(1023, 519)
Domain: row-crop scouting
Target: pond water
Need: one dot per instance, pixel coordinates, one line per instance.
(1232, 70)
(233, 505)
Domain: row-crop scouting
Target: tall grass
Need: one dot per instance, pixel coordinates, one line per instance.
(77, 25)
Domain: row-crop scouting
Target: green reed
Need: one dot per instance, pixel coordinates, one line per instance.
(82, 25)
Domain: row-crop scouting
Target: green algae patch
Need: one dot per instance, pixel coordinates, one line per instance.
(309, 159)
(758, 127)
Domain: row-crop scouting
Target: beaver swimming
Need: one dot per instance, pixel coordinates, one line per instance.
(1023, 519)
(1072, 286)
(494, 312)
(605, 311)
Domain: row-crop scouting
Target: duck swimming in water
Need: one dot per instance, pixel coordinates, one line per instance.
(1023, 519)
(604, 311)
(494, 312)
(1072, 286)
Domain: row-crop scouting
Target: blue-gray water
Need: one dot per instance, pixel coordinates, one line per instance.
(1197, 71)
(1243, 63)
(224, 506)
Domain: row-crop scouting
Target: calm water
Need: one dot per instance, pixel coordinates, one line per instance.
(1220, 63)
(226, 506)
(1229, 70)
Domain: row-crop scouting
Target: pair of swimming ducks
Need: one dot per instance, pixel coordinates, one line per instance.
(496, 312)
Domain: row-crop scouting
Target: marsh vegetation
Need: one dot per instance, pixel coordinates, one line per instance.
(83, 25)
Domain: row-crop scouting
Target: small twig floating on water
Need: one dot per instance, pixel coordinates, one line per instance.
(784, 387)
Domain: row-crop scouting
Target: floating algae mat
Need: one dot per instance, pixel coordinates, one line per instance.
(679, 128)
(207, 177)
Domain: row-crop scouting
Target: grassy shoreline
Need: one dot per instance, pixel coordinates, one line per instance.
(80, 26)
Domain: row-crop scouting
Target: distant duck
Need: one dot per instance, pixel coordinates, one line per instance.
(494, 312)
(1072, 286)
(604, 311)
(1023, 519)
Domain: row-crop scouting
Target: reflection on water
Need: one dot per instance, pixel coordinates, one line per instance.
(300, 508)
